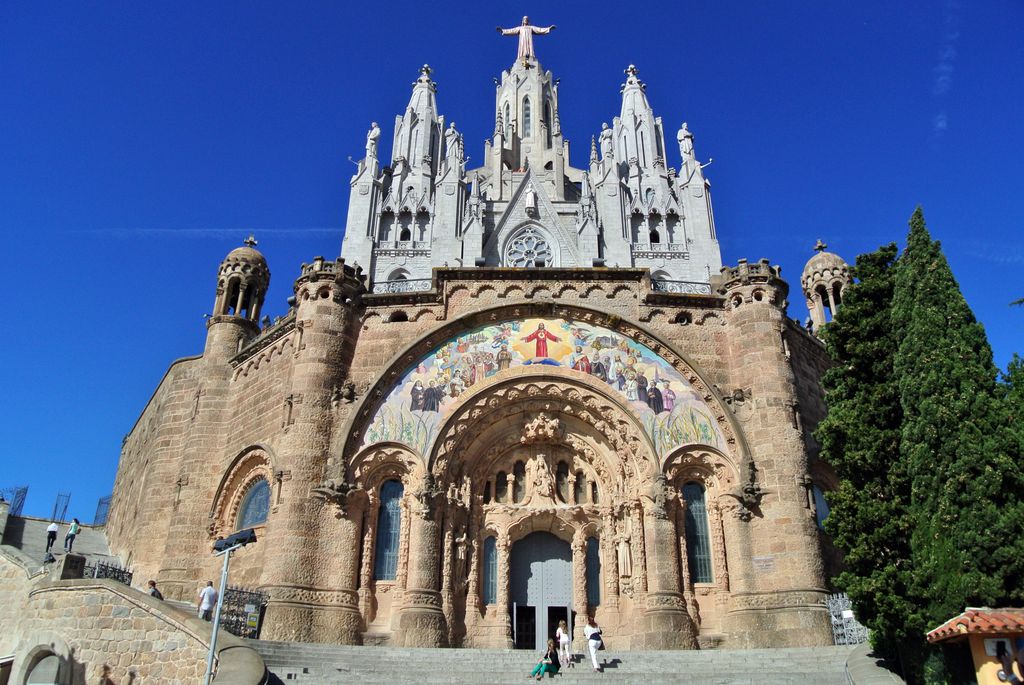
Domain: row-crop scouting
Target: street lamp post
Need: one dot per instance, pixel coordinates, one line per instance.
(224, 547)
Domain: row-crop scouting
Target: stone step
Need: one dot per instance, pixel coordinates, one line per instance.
(317, 664)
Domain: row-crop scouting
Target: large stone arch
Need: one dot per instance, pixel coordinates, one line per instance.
(367, 406)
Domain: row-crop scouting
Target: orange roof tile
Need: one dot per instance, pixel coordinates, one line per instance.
(983, 620)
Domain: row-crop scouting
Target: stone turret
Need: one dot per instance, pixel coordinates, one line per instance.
(242, 282)
(824, 279)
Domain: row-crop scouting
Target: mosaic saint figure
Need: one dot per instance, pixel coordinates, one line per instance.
(668, 396)
(504, 357)
(597, 367)
(654, 399)
(432, 397)
(541, 336)
(641, 388)
(417, 396)
(580, 361)
(631, 387)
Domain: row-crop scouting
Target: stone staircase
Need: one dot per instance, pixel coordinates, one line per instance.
(313, 664)
(28, 534)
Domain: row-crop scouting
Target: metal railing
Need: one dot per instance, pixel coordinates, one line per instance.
(412, 285)
(846, 629)
(102, 569)
(242, 611)
(685, 287)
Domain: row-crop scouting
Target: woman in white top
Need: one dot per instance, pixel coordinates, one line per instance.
(564, 642)
(594, 641)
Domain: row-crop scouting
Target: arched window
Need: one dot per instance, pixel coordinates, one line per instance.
(655, 237)
(519, 482)
(527, 118)
(579, 488)
(593, 493)
(508, 121)
(562, 481)
(406, 234)
(48, 669)
(487, 492)
(389, 531)
(255, 505)
(698, 538)
(491, 570)
(821, 509)
(593, 573)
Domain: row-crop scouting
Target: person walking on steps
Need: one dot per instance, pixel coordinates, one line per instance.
(594, 640)
(548, 662)
(564, 644)
(153, 591)
(207, 600)
(69, 539)
(51, 535)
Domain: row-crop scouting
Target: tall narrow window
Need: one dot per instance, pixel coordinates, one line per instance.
(593, 573)
(698, 538)
(389, 531)
(547, 123)
(527, 118)
(519, 482)
(491, 570)
(562, 481)
(593, 493)
(508, 122)
(500, 487)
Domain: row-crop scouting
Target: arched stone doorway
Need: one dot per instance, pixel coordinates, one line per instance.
(540, 588)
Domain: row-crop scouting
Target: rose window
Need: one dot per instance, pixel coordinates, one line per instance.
(528, 248)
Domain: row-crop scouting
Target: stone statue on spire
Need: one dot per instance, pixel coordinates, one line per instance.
(525, 31)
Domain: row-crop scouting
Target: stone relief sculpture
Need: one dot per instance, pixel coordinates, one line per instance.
(372, 138)
(606, 142)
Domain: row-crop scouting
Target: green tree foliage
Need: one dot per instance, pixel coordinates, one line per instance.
(928, 448)
(860, 438)
(956, 441)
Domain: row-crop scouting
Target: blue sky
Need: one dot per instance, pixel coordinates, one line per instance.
(139, 142)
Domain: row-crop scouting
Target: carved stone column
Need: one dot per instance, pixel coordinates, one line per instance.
(665, 624)
(611, 561)
(473, 549)
(421, 620)
(344, 507)
(684, 565)
(447, 607)
(503, 549)
(366, 570)
(579, 588)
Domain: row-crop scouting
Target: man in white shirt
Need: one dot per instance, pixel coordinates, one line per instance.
(207, 600)
(51, 535)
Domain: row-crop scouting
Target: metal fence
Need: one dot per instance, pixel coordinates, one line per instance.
(242, 611)
(102, 569)
(846, 629)
(15, 497)
(102, 509)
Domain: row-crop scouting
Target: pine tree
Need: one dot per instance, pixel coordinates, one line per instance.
(956, 442)
(1013, 396)
(860, 437)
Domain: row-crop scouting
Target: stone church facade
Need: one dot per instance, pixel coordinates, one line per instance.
(524, 393)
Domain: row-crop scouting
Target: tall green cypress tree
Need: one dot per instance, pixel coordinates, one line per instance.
(860, 438)
(955, 439)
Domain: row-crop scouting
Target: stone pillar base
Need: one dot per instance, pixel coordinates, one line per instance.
(666, 625)
(796, 618)
(291, 621)
(420, 622)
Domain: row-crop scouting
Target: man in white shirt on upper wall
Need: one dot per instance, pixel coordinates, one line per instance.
(207, 600)
(51, 535)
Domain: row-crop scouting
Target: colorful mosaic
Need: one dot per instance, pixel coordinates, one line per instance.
(672, 413)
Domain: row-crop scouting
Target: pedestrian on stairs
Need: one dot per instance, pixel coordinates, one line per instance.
(51, 535)
(153, 591)
(548, 662)
(594, 640)
(69, 539)
(564, 644)
(207, 600)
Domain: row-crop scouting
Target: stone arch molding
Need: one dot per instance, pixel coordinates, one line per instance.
(385, 413)
(251, 464)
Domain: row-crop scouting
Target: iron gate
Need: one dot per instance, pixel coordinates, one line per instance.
(846, 629)
(242, 611)
(102, 569)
